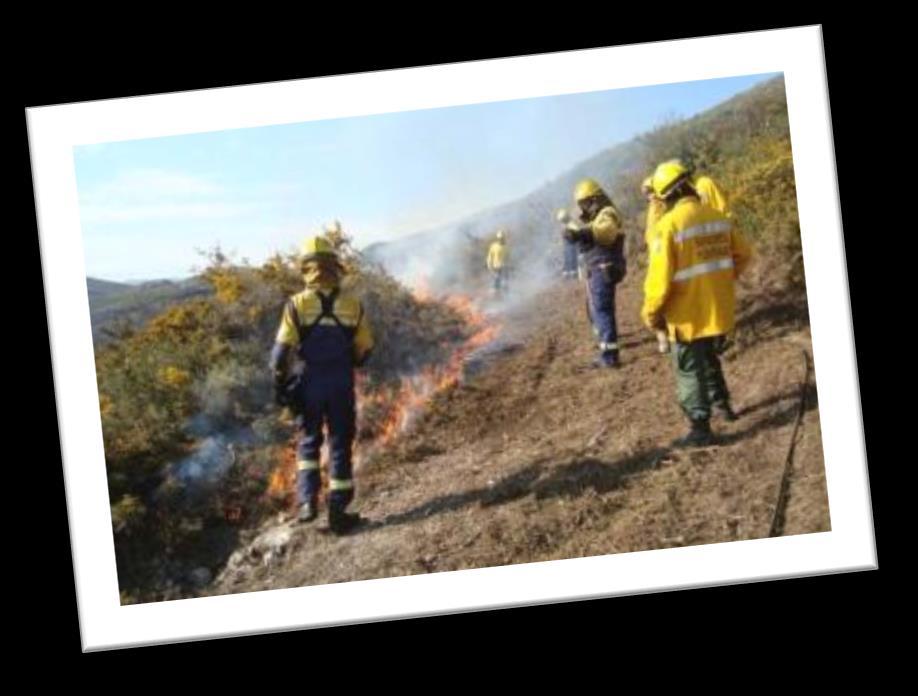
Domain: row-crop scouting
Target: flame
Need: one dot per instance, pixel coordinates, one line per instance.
(421, 289)
(404, 403)
(282, 480)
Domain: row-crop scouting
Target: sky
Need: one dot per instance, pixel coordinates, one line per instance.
(148, 206)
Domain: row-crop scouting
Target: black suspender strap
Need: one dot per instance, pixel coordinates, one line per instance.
(328, 310)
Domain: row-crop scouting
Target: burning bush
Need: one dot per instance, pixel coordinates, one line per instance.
(193, 443)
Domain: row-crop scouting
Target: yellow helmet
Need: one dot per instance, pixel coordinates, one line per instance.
(587, 188)
(501, 234)
(315, 248)
(667, 176)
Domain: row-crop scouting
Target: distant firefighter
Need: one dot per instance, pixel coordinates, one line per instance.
(497, 262)
(601, 241)
(696, 254)
(329, 332)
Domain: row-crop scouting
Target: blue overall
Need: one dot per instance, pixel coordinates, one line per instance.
(325, 396)
(605, 269)
(570, 259)
(499, 280)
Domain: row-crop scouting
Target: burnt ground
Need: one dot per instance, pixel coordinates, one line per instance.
(538, 457)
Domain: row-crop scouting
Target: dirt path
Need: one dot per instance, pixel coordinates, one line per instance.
(537, 457)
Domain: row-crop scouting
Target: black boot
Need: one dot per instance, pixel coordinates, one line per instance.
(699, 435)
(608, 358)
(308, 511)
(341, 522)
(725, 411)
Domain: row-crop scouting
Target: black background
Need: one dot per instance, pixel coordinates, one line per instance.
(758, 621)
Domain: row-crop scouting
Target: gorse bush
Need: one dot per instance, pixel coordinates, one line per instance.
(190, 432)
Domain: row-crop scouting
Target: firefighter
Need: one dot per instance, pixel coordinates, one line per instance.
(327, 330)
(708, 192)
(497, 262)
(696, 254)
(601, 241)
(656, 208)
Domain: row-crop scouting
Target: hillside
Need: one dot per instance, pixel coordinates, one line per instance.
(538, 457)
(483, 436)
(120, 304)
(744, 143)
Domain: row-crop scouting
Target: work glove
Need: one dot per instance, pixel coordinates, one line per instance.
(284, 390)
(576, 233)
(280, 394)
(655, 321)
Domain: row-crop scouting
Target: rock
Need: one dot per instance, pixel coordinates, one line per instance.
(201, 576)
(275, 540)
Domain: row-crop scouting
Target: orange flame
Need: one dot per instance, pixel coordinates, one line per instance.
(421, 289)
(403, 404)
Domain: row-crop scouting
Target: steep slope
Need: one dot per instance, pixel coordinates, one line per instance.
(538, 457)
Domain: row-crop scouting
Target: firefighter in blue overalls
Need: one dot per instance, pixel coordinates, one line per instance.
(601, 241)
(328, 331)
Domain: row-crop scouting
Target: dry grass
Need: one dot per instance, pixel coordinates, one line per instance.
(540, 458)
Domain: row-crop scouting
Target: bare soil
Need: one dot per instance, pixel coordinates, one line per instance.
(539, 457)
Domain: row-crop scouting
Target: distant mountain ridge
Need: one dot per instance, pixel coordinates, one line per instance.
(112, 303)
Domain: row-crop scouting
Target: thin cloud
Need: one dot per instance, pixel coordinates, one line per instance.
(153, 184)
(138, 195)
(99, 214)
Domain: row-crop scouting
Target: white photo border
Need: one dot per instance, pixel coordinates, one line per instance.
(55, 130)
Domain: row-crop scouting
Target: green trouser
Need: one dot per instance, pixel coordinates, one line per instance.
(699, 378)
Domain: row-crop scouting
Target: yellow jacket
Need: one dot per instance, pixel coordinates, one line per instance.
(655, 210)
(710, 194)
(497, 256)
(696, 253)
(308, 307)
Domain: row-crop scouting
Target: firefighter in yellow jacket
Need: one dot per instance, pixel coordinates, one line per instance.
(656, 208)
(710, 194)
(328, 331)
(497, 262)
(708, 191)
(696, 254)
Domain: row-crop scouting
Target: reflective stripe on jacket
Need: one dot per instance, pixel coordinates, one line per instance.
(696, 253)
